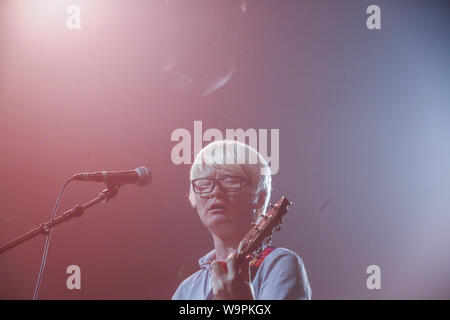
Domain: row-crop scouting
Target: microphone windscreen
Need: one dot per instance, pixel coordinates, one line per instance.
(144, 176)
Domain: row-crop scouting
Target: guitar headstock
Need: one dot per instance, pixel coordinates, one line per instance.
(263, 227)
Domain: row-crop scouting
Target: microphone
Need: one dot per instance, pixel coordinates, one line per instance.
(140, 176)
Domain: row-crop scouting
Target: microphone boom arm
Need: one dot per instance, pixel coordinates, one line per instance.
(77, 210)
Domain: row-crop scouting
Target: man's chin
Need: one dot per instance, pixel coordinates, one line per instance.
(224, 228)
(221, 225)
(219, 219)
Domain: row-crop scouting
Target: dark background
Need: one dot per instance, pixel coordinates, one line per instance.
(364, 120)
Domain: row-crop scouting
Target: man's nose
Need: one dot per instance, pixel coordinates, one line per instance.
(217, 190)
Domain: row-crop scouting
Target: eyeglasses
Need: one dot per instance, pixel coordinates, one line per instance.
(226, 183)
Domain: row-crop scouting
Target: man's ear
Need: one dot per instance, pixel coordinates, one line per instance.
(192, 200)
(258, 200)
(258, 203)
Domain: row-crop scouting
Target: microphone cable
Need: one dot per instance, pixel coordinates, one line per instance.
(47, 241)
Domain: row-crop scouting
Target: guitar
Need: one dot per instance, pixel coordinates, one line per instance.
(261, 231)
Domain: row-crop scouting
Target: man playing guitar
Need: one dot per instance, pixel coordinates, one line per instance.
(230, 188)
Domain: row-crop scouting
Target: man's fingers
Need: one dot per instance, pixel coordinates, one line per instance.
(245, 267)
(232, 265)
(230, 278)
(218, 275)
(219, 268)
(238, 268)
(230, 268)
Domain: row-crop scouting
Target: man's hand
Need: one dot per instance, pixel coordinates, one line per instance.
(231, 282)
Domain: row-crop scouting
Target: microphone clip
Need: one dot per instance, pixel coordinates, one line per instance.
(110, 192)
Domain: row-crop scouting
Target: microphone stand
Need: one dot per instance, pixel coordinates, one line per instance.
(76, 211)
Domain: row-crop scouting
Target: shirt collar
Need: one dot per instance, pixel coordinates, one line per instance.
(205, 261)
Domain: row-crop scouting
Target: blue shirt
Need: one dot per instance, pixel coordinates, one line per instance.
(281, 276)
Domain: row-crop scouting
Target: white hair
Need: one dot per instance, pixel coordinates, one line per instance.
(238, 158)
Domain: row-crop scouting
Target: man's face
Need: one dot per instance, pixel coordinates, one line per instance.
(225, 214)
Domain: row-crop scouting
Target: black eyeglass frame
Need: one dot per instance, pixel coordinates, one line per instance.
(219, 180)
